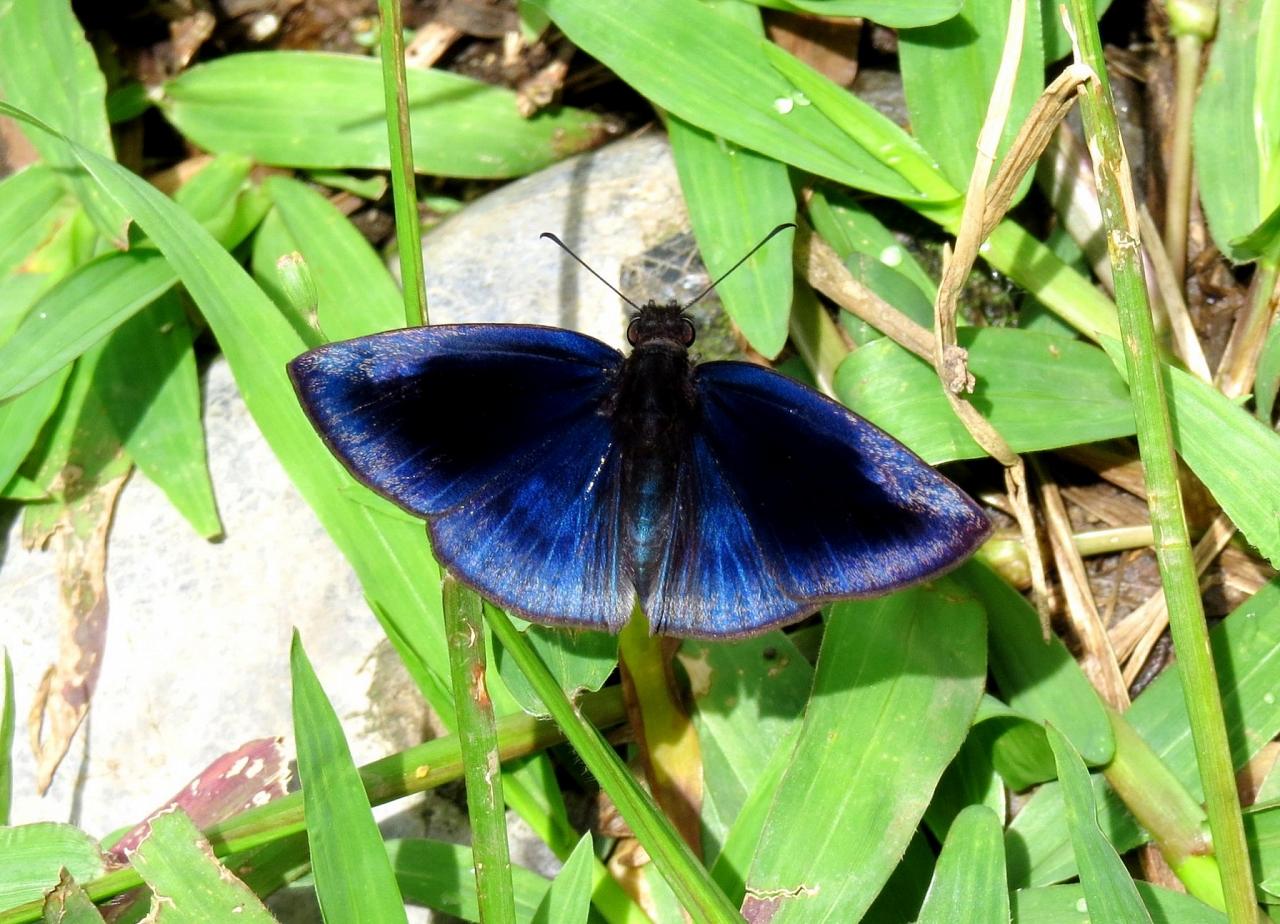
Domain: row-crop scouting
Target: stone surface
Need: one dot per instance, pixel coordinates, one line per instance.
(488, 263)
(197, 657)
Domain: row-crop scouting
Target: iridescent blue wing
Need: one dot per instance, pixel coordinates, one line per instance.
(497, 435)
(788, 500)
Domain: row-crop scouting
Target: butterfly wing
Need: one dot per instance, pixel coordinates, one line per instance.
(496, 434)
(788, 501)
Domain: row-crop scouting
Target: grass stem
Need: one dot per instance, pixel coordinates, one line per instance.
(1155, 444)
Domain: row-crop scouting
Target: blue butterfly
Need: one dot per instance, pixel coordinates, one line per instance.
(564, 481)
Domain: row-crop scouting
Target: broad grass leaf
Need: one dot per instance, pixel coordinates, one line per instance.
(947, 115)
(736, 196)
(187, 882)
(1239, 180)
(568, 901)
(34, 854)
(1109, 891)
(969, 884)
(1039, 391)
(354, 878)
(897, 683)
(57, 78)
(324, 110)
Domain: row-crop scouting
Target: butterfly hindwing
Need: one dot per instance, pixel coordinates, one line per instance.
(789, 501)
(496, 434)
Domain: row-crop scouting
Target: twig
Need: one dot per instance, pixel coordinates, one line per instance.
(1135, 636)
(1099, 663)
(977, 220)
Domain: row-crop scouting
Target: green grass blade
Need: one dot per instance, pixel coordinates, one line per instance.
(354, 880)
(568, 901)
(868, 128)
(149, 386)
(852, 231)
(212, 196)
(326, 111)
(1233, 453)
(971, 779)
(58, 77)
(34, 854)
(899, 14)
(1108, 889)
(1232, 177)
(356, 294)
(22, 419)
(580, 661)
(29, 203)
(947, 115)
(395, 98)
(739, 845)
(896, 687)
(98, 296)
(735, 197)
(187, 883)
(79, 312)
(1267, 383)
(1262, 832)
(969, 881)
(724, 84)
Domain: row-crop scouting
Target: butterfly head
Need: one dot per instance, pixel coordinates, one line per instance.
(666, 323)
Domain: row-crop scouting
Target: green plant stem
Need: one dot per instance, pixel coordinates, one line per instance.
(464, 629)
(404, 191)
(464, 624)
(665, 735)
(1155, 445)
(692, 884)
(422, 767)
(1164, 808)
(1192, 23)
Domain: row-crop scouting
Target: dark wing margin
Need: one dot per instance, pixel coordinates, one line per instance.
(495, 433)
(792, 501)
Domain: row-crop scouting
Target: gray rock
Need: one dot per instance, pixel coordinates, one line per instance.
(488, 263)
(197, 658)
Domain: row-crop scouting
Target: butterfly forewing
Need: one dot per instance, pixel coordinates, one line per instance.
(791, 501)
(499, 435)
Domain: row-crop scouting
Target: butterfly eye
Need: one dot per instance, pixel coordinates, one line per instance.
(688, 333)
(633, 332)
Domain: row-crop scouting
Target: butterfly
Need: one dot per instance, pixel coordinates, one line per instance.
(565, 482)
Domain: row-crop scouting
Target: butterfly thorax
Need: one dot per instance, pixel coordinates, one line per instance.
(653, 414)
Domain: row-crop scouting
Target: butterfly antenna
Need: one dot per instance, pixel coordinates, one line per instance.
(768, 237)
(565, 247)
